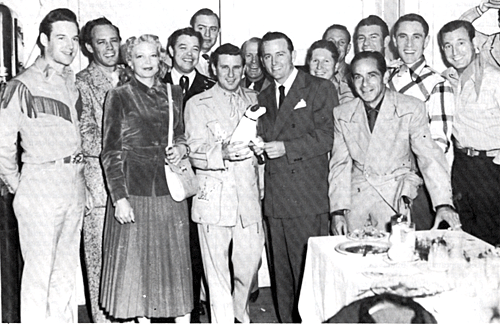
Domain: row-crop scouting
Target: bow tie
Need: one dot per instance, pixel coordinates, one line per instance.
(205, 56)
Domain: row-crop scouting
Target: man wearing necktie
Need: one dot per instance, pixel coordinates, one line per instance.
(227, 207)
(371, 174)
(415, 78)
(208, 24)
(297, 131)
(184, 46)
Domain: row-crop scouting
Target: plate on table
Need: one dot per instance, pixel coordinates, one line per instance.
(374, 235)
(403, 290)
(363, 248)
(414, 259)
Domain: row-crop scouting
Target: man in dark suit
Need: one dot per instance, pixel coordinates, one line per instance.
(184, 48)
(255, 78)
(208, 24)
(297, 136)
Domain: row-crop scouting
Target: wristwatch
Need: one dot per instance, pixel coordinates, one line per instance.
(340, 212)
(188, 150)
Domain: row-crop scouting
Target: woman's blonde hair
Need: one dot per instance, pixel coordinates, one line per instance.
(134, 41)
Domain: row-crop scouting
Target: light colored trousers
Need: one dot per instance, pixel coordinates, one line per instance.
(247, 248)
(49, 206)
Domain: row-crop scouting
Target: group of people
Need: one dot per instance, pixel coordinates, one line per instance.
(340, 147)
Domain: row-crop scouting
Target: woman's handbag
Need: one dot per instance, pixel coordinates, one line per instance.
(181, 180)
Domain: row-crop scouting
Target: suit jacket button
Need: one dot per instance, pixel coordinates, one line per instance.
(293, 171)
(293, 125)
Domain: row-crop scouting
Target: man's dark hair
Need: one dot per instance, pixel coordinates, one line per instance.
(370, 21)
(323, 43)
(338, 27)
(270, 36)
(60, 14)
(188, 31)
(410, 18)
(86, 33)
(378, 57)
(226, 49)
(204, 12)
(454, 25)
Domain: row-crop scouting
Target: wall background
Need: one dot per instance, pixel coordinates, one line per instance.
(241, 20)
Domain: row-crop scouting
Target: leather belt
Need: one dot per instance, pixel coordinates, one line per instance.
(73, 159)
(469, 151)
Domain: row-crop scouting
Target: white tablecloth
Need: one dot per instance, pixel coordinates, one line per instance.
(464, 293)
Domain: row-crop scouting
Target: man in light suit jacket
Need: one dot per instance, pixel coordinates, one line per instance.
(297, 135)
(227, 207)
(371, 178)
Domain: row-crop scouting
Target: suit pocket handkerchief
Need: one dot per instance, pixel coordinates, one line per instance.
(301, 104)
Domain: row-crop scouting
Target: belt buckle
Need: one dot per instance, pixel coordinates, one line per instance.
(471, 152)
(78, 158)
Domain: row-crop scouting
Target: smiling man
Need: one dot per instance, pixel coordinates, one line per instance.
(254, 77)
(100, 41)
(208, 24)
(415, 78)
(340, 36)
(370, 169)
(227, 207)
(371, 34)
(184, 47)
(297, 131)
(476, 131)
(42, 105)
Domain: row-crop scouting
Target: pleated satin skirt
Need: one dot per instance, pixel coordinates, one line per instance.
(147, 265)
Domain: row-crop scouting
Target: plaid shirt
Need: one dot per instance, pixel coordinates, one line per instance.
(422, 82)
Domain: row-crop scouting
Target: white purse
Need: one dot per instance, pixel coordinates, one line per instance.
(181, 180)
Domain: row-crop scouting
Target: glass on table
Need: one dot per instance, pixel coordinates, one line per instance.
(402, 239)
(438, 255)
(455, 245)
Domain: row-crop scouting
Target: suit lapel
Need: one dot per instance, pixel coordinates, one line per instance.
(359, 128)
(267, 99)
(168, 78)
(291, 99)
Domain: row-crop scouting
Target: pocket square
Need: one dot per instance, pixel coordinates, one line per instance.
(301, 104)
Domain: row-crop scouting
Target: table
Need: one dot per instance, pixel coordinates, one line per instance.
(467, 291)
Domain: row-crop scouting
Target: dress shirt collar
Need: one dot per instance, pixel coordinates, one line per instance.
(474, 72)
(414, 70)
(227, 94)
(48, 71)
(289, 81)
(113, 78)
(176, 76)
(288, 84)
(209, 53)
(377, 107)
